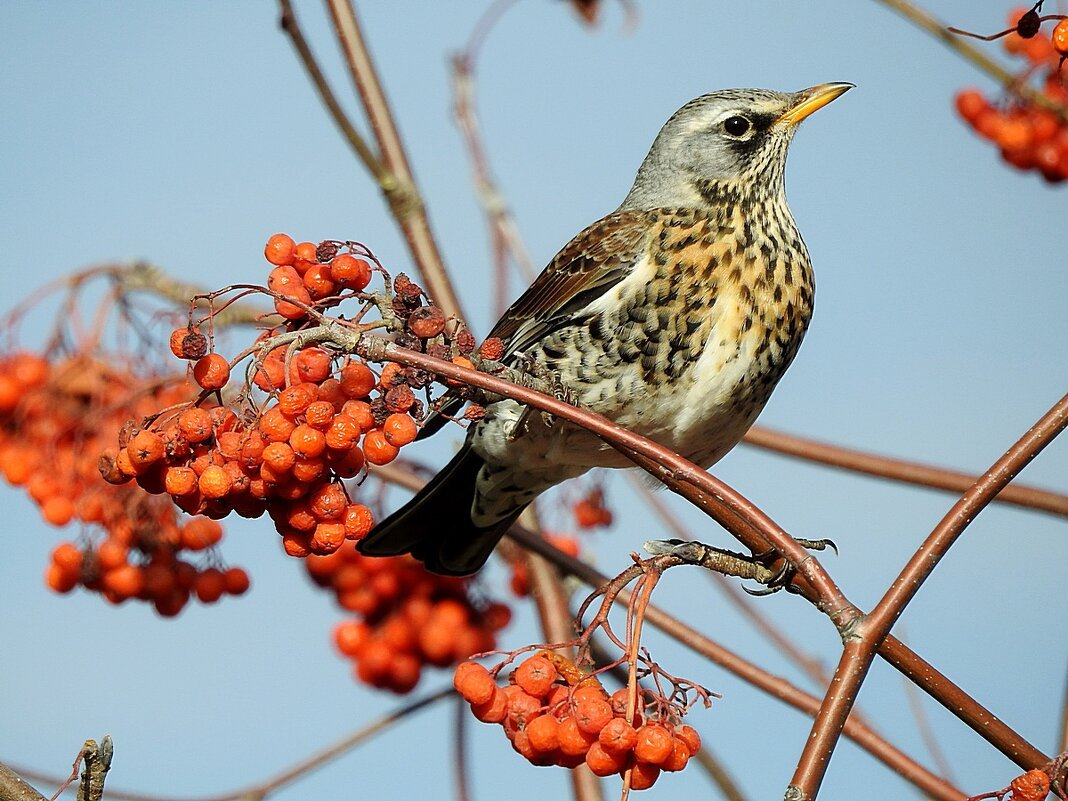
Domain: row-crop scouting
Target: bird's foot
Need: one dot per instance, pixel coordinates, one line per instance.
(549, 382)
(731, 563)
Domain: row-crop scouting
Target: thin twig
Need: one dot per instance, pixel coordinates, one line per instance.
(924, 20)
(907, 472)
(403, 196)
(363, 151)
(865, 636)
(461, 711)
(301, 769)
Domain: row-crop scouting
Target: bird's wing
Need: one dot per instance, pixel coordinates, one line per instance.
(587, 267)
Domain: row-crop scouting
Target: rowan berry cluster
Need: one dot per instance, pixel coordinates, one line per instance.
(1029, 136)
(553, 714)
(55, 419)
(406, 619)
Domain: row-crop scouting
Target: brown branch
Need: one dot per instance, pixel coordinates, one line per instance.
(927, 22)
(265, 788)
(403, 196)
(868, 633)
(14, 788)
(907, 472)
(288, 21)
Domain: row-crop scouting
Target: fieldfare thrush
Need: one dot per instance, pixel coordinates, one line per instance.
(675, 316)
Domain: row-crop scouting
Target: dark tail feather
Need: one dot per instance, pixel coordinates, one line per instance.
(435, 526)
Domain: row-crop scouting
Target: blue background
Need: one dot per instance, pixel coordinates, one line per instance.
(187, 133)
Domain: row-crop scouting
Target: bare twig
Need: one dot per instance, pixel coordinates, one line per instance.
(403, 196)
(922, 475)
(925, 21)
(261, 790)
(865, 636)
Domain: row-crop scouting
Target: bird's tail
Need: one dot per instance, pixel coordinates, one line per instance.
(436, 527)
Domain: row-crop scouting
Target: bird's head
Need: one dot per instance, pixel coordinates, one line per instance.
(723, 145)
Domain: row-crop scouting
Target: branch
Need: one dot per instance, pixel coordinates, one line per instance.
(265, 788)
(867, 635)
(14, 788)
(925, 21)
(403, 195)
(907, 472)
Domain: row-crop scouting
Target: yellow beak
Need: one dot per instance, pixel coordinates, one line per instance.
(813, 99)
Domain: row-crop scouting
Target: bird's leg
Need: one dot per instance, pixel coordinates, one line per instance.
(551, 385)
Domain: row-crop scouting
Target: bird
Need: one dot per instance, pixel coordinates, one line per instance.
(675, 316)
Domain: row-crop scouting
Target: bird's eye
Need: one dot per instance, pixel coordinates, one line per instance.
(736, 126)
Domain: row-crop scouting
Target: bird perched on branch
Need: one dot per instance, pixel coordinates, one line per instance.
(675, 316)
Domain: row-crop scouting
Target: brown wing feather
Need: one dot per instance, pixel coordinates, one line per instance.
(589, 265)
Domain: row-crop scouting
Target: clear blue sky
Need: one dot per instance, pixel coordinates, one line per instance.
(187, 133)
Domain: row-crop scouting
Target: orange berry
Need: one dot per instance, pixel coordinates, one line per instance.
(494, 710)
(200, 533)
(544, 733)
(270, 375)
(188, 343)
(350, 636)
(643, 776)
(327, 538)
(280, 250)
(318, 281)
(125, 581)
(390, 375)
(59, 580)
(180, 481)
(279, 457)
(343, 433)
(67, 557)
(311, 364)
(970, 104)
(211, 371)
(399, 429)
(536, 676)
(679, 756)
(308, 470)
(357, 380)
(350, 271)
(236, 581)
(361, 414)
(474, 682)
(57, 510)
(215, 482)
(602, 763)
(492, 348)
(296, 544)
(1031, 786)
(145, 449)
(373, 661)
(403, 673)
(592, 714)
(522, 707)
(210, 585)
(618, 737)
(377, 449)
(573, 740)
(307, 442)
(275, 426)
(689, 736)
(654, 744)
(111, 554)
(358, 521)
(319, 415)
(1059, 37)
(294, 400)
(306, 251)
